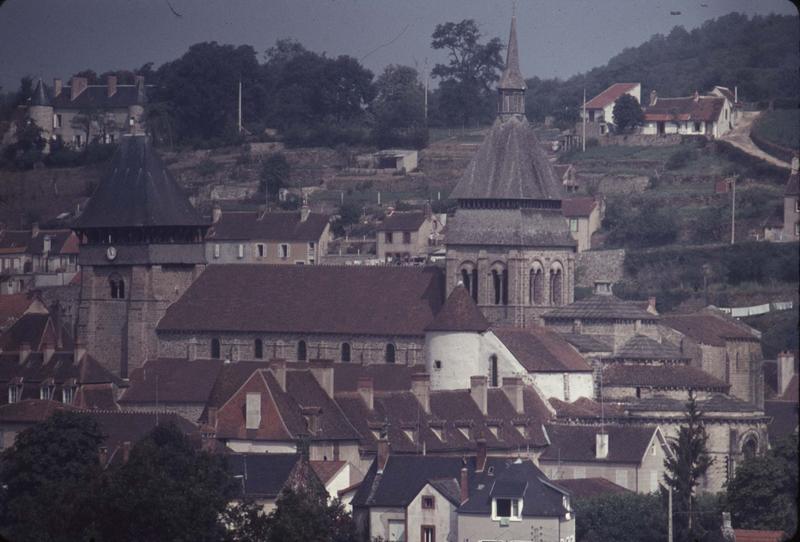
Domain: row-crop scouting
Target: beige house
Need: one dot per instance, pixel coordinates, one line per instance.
(585, 216)
(710, 116)
(404, 236)
(791, 206)
(36, 258)
(600, 109)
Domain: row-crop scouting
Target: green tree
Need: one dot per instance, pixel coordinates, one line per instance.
(168, 490)
(246, 522)
(763, 491)
(398, 108)
(49, 478)
(628, 516)
(304, 515)
(627, 113)
(275, 173)
(472, 68)
(685, 467)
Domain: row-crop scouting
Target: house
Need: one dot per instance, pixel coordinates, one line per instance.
(585, 216)
(36, 258)
(791, 205)
(404, 236)
(783, 408)
(630, 456)
(335, 475)
(269, 237)
(13, 306)
(400, 160)
(588, 488)
(709, 116)
(80, 113)
(600, 109)
(733, 97)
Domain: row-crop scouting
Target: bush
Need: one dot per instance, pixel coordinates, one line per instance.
(681, 158)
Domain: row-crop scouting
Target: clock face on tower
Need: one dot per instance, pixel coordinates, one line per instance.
(111, 253)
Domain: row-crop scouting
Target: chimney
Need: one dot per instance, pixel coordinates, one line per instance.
(512, 387)
(653, 98)
(216, 213)
(252, 410)
(191, 349)
(651, 305)
(428, 210)
(48, 351)
(111, 84)
(305, 210)
(795, 164)
(464, 485)
(138, 80)
(212, 417)
(57, 86)
(785, 370)
(480, 455)
(736, 94)
(696, 96)
(366, 391)
(77, 86)
(478, 391)
(601, 445)
(323, 372)
(383, 454)
(602, 287)
(79, 352)
(278, 368)
(126, 451)
(421, 388)
(24, 352)
(35, 230)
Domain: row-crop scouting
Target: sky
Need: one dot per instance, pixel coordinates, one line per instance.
(557, 38)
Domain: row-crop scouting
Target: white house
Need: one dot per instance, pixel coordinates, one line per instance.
(710, 116)
(600, 109)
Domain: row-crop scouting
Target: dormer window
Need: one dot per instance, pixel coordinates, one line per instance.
(46, 390)
(438, 432)
(67, 395)
(15, 391)
(506, 509)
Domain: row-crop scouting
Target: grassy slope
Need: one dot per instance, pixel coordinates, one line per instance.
(781, 126)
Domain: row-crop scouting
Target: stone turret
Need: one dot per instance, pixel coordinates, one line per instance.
(41, 112)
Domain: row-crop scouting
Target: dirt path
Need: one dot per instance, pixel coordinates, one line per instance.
(740, 137)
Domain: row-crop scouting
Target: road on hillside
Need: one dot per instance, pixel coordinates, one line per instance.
(739, 137)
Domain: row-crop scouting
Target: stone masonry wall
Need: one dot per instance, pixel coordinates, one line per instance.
(599, 265)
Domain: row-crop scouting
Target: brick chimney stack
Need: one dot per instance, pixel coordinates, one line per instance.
(785, 370)
(57, 87)
(512, 387)
(77, 86)
(601, 445)
(480, 455)
(421, 388)
(383, 454)
(322, 370)
(366, 391)
(478, 390)
(464, 485)
(111, 85)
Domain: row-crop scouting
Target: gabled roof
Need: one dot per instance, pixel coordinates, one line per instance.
(602, 307)
(540, 350)
(578, 207)
(707, 328)
(23, 241)
(702, 109)
(403, 221)
(661, 377)
(326, 470)
(586, 343)
(645, 348)
(138, 191)
(263, 475)
(355, 300)
(172, 381)
(610, 95)
(576, 443)
(586, 488)
(12, 307)
(96, 96)
(459, 313)
(271, 226)
(403, 477)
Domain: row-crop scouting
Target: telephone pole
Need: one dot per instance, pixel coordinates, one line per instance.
(733, 210)
(240, 106)
(583, 123)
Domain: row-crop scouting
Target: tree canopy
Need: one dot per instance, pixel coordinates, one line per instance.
(627, 113)
(398, 109)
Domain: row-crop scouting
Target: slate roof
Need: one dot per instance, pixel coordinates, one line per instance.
(515, 227)
(40, 95)
(137, 191)
(509, 165)
(661, 377)
(576, 443)
(704, 109)
(32, 329)
(583, 408)
(610, 95)
(96, 96)
(23, 242)
(403, 221)
(172, 381)
(263, 475)
(707, 328)
(641, 347)
(578, 207)
(793, 185)
(717, 402)
(403, 477)
(586, 343)
(586, 488)
(512, 78)
(397, 301)
(541, 350)
(601, 307)
(271, 226)
(784, 416)
(459, 313)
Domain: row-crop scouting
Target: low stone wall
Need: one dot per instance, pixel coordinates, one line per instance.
(640, 140)
(599, 265)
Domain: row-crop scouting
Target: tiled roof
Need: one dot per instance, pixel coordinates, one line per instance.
(583, 408)
(540, 350)
(645, 348)
(326, 470)
(271, 226)
(793, 185)
(791, 393)
(784, 416)
(355, 300)
(751, 535)
(138, 191)
(96, 96)
(578, 207)
(459, 313)
(610, 95)
(602, 307)
(527, 227)
(172, 381)
(576, 443)
(403, 221)
(120, 427)
(510, 165)
(661, 377)
(586, 488)
(12, 307)
(703, 109)
(717, 402)
(586, 343)
(263, 475)
(23, 241)
(403, 477)
(707, 328)
(30, 411)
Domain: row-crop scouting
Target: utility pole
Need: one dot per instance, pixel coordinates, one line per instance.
(240, 106)
(583, 123)
(669, 514)
(733, 210)
(427, 77)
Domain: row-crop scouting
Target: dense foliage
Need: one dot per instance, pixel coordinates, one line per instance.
(399, 110)
(627, 113)
(275, 173)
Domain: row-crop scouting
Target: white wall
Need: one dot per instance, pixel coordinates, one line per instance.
(551, 385)
(246, 446)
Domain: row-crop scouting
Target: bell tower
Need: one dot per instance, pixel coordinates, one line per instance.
(141, 248)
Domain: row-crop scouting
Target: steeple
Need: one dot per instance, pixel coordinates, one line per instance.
(40, 95)
(511, 87)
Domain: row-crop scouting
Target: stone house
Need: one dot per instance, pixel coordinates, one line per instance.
(629, 456)
(733, 97)
(36, 258)
(600, 109)
(276, 237)
(791, 205)
(710, 116)
(405, 235)
(585, 216)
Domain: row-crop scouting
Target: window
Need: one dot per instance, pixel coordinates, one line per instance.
(566, 386)
(117, 286)
(216, 250)
(261, 250)
(46, 391)
(536, 292)
(397, 530)
(506, 508)
(500, 284)
(215, 350)
(240, 252)
(284, 250)
(390, 353)
(556, 282)
(345, 351)
(428, 502)
(302, 355)
(131, 122)
(437, 365)
(57, 120)
(14, 392)
(469, 278)
(406, 237)
(77, 140)
(428, 533)
(259, 349)
(67, 395)
(697, 125)
(493, 376)
(387, 237)
(573, 224)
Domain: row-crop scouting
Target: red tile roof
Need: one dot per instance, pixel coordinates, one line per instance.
(610, 95)
(703, 109)
(459, 313)
(661, 377)
(575, 207)
(326, 470)
(12, 307)
(172, 381)
(585, 488)
(30, 410)
(397, 301)
(749, 535)
(541, 350)
(272, 226)
(707, 328)
(403, 221)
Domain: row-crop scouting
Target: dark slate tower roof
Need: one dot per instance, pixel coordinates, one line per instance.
(40, 95)
(138, 191)
(512, 77)
(459, 313)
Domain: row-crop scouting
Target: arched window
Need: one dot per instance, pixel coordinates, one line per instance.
(536, 286)
(390, 353)
(750, 446)
(556, 285)
(259, 349)
(301, 351)
(345, 351)
(466, 279)
(500, 286)
(469, 278)
(494, 380)
(215, 348)
(117, 286)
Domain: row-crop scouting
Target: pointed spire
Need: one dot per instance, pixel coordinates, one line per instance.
(512, 78)
(40, 95)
